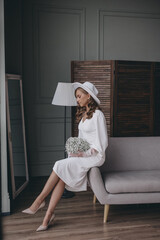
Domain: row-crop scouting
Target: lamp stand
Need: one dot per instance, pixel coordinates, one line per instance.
(66, 193)
(65, 155)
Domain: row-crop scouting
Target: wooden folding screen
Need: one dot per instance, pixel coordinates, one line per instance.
(157, 99)
(129, 92)
(133, 108)
(99, 73)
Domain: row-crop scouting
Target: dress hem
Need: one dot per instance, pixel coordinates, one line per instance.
(68, 187)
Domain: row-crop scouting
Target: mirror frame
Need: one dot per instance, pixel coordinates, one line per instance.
(14, 191)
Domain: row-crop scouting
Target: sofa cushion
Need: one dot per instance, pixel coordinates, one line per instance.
(132, 154)
(132, 181)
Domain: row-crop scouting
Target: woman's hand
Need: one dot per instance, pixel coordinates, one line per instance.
(78, 154)
(88, 153)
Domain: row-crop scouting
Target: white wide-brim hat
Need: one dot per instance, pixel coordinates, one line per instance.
(88, 87)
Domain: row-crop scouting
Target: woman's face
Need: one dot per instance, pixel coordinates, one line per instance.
(82, 97)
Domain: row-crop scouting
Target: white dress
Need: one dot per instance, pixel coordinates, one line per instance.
(73, 170)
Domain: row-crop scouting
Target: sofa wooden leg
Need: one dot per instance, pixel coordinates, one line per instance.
(106, 210)
(94, 199)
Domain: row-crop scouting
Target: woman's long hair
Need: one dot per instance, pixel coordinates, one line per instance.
(92, 105)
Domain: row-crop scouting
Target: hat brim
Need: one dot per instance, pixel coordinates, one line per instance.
(80, 85)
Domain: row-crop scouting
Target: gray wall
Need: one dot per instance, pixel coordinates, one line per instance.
(13, 36)
(58, 31)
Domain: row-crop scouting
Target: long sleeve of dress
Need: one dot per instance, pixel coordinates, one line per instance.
(101, 140)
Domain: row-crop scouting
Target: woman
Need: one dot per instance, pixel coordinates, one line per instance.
(71, 173)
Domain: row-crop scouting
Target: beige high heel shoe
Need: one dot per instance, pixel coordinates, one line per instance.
(44, 228)
(29, 211)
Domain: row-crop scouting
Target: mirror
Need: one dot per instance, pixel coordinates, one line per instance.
(16, 134)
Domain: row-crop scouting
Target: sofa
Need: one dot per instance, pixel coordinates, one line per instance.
(130, 174)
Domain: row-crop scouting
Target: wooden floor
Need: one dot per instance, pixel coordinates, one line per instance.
(78, 219)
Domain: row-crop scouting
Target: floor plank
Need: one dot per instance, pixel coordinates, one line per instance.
(78, 219)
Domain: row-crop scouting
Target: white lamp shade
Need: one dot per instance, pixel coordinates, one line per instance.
(64, 95)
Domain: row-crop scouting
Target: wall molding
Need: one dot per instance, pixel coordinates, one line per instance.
(47, 8)
(41, 124)
(126, 14)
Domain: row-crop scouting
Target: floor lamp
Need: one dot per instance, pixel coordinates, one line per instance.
(64, 96)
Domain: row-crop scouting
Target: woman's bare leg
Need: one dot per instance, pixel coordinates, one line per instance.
(55, 197)
(51, 182)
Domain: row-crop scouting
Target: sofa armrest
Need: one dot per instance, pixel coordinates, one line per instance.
(97, 185)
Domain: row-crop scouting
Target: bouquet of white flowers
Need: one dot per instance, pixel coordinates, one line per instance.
(75, 145)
